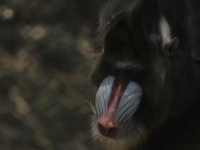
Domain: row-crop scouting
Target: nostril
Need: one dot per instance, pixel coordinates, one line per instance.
(111, 129)
(105, 131)
(102, 130)
(108, 128)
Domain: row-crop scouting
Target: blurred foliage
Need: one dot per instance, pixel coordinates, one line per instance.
(45, 59)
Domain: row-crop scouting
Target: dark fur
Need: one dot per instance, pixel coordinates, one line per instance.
(170, 111)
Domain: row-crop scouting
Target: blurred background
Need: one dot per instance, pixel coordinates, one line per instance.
(46, 54)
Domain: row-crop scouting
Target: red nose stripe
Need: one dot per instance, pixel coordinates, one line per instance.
(107, 124)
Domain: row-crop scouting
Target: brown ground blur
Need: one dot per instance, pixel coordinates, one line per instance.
(46, 53)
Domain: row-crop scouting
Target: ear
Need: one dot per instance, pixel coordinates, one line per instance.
(105, 22)
(171, 46)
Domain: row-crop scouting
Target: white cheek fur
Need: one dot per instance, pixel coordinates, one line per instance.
(165, 31)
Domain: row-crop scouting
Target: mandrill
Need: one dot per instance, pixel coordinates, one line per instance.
(148, 75)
